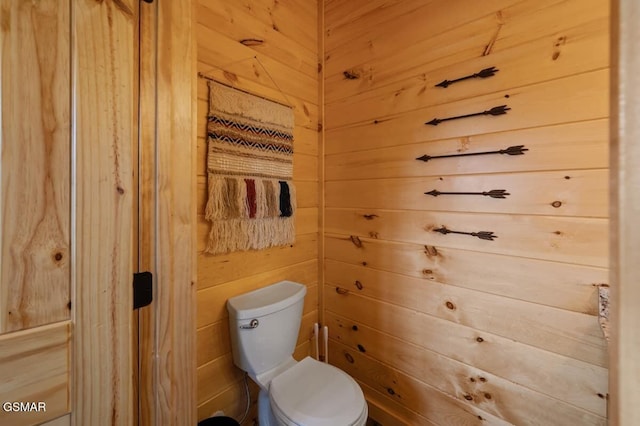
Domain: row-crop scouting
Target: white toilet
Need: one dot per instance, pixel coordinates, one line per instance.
(264, 329)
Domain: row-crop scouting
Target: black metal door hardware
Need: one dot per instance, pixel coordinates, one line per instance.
(498, 110)
(487, 72)
(512, 150)
(483, 235)
(494, 193)
(142, 289)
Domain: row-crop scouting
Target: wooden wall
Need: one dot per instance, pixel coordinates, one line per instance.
(452, 329)
(165, 388)
(284, 36)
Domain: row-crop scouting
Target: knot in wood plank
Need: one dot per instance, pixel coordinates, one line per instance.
(356, 241)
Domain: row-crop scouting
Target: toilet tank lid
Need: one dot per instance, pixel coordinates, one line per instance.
(266, 300)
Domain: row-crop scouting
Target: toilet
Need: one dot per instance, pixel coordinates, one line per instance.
(264, 328)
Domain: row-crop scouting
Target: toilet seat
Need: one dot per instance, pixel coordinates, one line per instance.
(312, 393)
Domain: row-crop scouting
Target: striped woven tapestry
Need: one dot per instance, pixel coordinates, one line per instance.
(250, 166)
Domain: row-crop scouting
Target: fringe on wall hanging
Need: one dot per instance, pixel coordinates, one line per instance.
(252, 199)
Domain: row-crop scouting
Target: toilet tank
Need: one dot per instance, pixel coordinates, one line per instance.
(264, 325)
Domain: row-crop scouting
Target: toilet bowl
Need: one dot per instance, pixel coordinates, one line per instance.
(312, 393)
(264, 326)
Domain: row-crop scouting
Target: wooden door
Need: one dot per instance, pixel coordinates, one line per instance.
(68, 121)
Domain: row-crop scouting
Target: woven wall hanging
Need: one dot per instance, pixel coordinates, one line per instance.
(251, 199)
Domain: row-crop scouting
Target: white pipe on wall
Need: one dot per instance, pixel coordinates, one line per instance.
(326, 344)
(316, 330)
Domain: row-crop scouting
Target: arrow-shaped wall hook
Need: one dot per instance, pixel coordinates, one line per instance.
(512, 150)
(487, 72)
(498, 110)
(494, 193)
(483, 235)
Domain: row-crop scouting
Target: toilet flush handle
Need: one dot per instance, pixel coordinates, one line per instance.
(253, 324)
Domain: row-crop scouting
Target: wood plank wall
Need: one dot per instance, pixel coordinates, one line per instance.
(284, 36)
(174, 234)
(452, 329)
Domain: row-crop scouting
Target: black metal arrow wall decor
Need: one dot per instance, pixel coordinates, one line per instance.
(512, 150)
(494, 193)
(498, 110)
(483, 235)
(487, 72)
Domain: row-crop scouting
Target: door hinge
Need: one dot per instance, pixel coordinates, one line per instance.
(142, 289)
